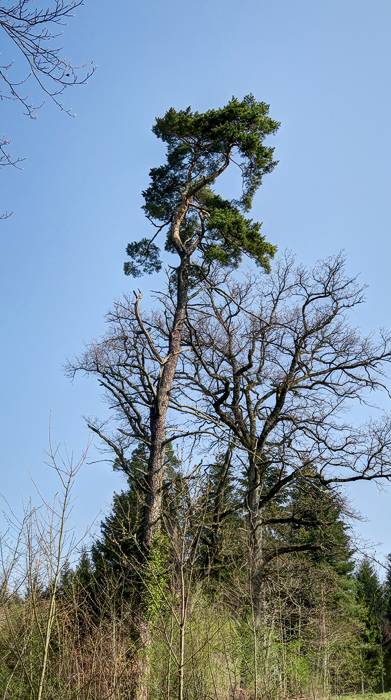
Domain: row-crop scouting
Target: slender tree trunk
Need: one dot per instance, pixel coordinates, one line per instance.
(256, 560)
(255, 538)
(151, 515)
(168, 693)
(182, 627)
(158, 417)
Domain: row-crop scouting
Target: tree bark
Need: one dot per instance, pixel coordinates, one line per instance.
(151, 515)
(158, 417)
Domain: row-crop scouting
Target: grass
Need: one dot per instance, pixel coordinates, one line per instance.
(367, 696)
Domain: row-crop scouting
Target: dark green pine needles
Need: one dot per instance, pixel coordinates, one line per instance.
(200, 148)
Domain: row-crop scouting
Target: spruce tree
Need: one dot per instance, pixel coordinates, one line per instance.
(370, 597)
(387, 625)
(222, 520)
(321, 623)
(114, 553)
(318, 522)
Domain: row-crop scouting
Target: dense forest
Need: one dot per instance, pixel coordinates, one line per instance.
(227, 567)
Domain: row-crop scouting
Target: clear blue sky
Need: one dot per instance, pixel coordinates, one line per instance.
(324, 67)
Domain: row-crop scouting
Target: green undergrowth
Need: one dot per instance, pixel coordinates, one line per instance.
(366, 696)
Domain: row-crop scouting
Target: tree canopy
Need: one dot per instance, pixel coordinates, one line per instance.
(181, 197)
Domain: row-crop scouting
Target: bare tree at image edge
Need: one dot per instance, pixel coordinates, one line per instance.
(36, 60)
(274, 366)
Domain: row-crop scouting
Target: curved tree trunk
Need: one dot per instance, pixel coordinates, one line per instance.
(151, 516)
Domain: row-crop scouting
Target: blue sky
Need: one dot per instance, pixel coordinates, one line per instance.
(324, 68)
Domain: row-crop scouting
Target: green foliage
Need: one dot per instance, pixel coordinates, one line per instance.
(369, 591)
(387, 591)
(156, 576)
(387, 625)
(229, 234)
(213, 656)
(115, 552)
(220, 546)
(144, 258)
(366, 696)
(299, 673)
(200, 147)
(371, 600)
(319, 523)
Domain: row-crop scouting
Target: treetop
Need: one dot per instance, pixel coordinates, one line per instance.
(180, 197)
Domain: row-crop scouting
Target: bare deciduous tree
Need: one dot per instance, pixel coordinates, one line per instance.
(270, 370)
(276, 366)
(36, 62)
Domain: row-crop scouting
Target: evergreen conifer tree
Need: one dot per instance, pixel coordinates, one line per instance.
(387, 625)
(371, 599)
(220, 536)
(318, 521)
